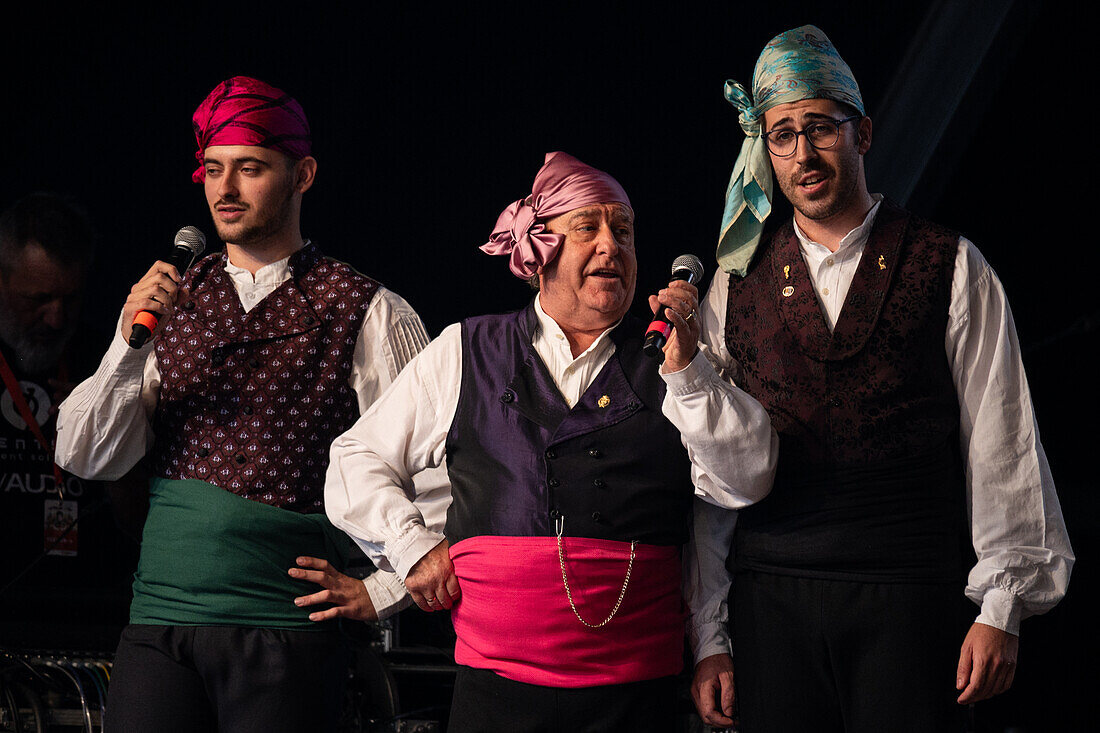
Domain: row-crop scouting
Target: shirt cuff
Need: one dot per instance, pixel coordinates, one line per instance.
(387, 593)
(1002, 610)
(709, 638)
(692, 378)
(413, 545)
(124, 357)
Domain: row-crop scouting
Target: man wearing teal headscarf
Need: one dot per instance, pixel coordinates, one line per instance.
(883, 348)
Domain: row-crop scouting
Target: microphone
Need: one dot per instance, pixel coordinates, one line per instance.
(189, 244)
(684, 267)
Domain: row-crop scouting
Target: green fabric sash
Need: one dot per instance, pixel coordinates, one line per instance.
(210, 557)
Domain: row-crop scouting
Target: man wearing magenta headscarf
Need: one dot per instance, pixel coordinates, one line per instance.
(572, 493)
(264, 352)
(884, 350)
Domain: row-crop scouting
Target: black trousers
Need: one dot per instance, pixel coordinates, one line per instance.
(199, 679)
(832, 656)
(485, 702)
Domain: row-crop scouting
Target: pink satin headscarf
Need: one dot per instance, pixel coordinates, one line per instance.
(247, 111)
(562, 185)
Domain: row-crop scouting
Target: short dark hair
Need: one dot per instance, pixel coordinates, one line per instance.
(56, 223)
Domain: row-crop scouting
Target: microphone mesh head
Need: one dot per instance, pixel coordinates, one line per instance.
(690, 263)
(191, 238)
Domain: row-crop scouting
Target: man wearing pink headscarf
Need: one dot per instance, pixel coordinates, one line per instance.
(263, 354)
(571, 492)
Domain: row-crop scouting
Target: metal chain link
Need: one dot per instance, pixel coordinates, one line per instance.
(569, 593)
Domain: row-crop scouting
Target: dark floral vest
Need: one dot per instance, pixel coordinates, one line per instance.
(250, 402)
(869, 481)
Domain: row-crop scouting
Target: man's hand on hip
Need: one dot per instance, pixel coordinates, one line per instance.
(432, 582)
(347, 594)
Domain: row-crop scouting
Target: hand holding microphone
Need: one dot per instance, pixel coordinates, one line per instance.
(155, 294)
(680, 299)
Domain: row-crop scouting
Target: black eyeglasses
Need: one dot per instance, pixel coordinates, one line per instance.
(821, 134)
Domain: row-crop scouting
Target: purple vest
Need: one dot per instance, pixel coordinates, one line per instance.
(869, 482)
(519, 458)
(250, 402)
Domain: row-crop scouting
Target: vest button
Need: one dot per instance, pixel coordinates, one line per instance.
(247, 409)
(507, 397)
(596, 516)
(309, 320)
(239, 459)
(598, 483)
(555, 514)
(189, 305)
(595, 453)
(202, 452)
(254, 363)
(554, 483)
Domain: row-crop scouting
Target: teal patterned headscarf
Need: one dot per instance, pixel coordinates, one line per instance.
(796, 65)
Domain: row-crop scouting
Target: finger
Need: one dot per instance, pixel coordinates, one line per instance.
(453, 588)
(962, 674)
(976, 689)
(312, 576)
(654, 303)
(443, 596)
(313, 599)
(163, 268)
(314, 562)
(728, 696)
(326, 615)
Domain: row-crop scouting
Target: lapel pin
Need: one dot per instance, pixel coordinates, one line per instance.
(788, 291)
(604, 401)
(786, 272)
(881, 262)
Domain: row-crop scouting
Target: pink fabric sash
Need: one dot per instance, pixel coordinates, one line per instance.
(514, 617)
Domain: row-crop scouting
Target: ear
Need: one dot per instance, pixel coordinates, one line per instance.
(864, 135)
(305, 171)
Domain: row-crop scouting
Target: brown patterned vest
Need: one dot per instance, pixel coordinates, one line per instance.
(869, 483)
(251, 401)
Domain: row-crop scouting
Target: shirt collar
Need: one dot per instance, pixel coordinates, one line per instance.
(273, 273)
(856, 238)
(551, 331)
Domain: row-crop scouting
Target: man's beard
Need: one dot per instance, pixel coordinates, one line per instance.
(33, 355)
(843, 182)
(274, 223)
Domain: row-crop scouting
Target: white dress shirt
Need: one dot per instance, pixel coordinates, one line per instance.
(1019, 536)
(105, 426)
(368, 493)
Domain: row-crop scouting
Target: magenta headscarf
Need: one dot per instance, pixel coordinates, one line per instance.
(563, 184)
(247, 111)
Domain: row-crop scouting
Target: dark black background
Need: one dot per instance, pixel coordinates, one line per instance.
(428, 122)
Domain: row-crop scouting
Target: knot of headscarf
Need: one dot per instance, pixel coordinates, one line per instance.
(562, 185)
(247, 111)
(795, 65)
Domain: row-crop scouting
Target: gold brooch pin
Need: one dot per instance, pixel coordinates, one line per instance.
(604, 401)
(786, 272)
(881, 262)
(788, 291)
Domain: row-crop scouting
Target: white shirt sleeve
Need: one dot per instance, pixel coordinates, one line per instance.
(728, 435)
(369, 489)
(706, 580)
(1019, 535)
(104, 426)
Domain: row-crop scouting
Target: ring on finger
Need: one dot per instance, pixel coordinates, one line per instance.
(689, 316)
